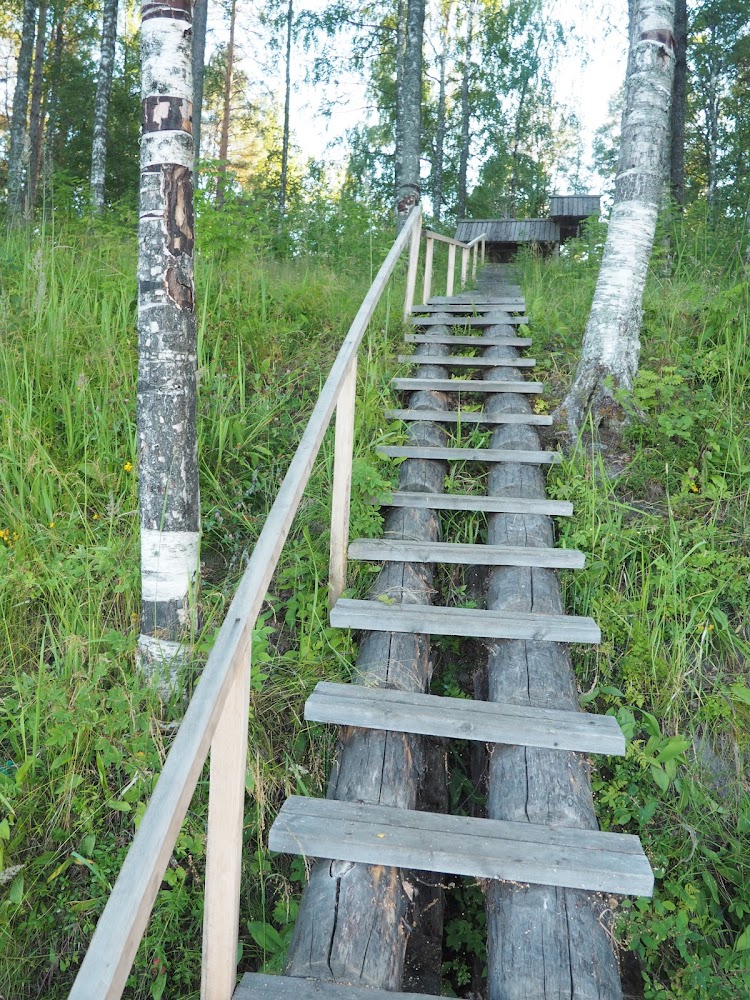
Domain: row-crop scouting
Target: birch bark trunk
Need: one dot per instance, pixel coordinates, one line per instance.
(101, 105)
(409, 192)
(200, 20)
(400, 51)
(228, 82)
(463, 160)
(287, 98)
(609, 357)
(36, 114)
(167, 439)
(437, 163)
(679, 105)
(20, 111)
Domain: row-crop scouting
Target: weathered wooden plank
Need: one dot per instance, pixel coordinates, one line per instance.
(477, 297)
(463, 553)
(472, 454)
(462, 845)
(511, 304)
(462, 718)
(256, 986)
(470, 340)
(460, 361)
(470, 417)
(488, 320)
(379, 616)
(494, 504)
(465, 385)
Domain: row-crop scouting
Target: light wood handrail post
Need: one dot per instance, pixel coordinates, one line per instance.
(226, 812)
(428, 255)
(484, 241)
(475, 254)
(343, 453)
(411, 274)
(451, 269)
(464, 265)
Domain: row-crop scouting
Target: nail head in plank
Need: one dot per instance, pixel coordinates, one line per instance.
(466, 385)
(463, 362)
(471, 454)
(488, 320)
(379, 616)
(457, 501)
(467, 340)
(470, 417)
(256, 986)
(464, 719)
(462, 845)
(400, 550)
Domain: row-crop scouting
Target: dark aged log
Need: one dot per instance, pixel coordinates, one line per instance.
(354, 920)
(543, 943)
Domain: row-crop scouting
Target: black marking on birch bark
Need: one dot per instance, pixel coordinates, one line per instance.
(158, 618)
(162, 114)
(175, 10)
(179, 221)
(663, 35)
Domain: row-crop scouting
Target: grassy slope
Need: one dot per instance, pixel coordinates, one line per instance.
(81, 740)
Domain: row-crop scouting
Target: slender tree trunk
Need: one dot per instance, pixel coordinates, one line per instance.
(400, 56)
(51, 136)
(609, 358)
(228, 81)
(101, 105)
(36, 117)
(167, 437)
(287, 98)
(437, 163)
(463, 159)
(409, 192)
(20, 111)
(679, 105)
(200, 19)
(712, 123)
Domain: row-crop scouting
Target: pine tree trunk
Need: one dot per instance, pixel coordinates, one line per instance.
(463, 159)
(409, 192)
(36, 116)
(679, 104)
(101, 105)
(20, 111)
(400, 55)
(228, 82)
(287, 98)
(437, 163)
(611, 342)
(167, 439)
(200, 19)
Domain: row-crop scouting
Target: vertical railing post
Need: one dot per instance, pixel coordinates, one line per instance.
(451, 269)
(474, 255)
(411, 274)
(343, 453)
(483, 247)
(226, 802)
(428, 255)
(464, 265)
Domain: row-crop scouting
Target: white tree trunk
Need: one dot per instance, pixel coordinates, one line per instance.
(611, 346)
(287, 100)
(409, 192)
(101, 104)
(463, 159)
(20, 113)
(167, 439)
(437, 162)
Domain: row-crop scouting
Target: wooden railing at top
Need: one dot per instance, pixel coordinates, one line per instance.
(217, 715)
(477, 244)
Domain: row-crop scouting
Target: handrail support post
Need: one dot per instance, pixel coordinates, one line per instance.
(411, 274)
(343, 455)
(428, 255)
(451, 269)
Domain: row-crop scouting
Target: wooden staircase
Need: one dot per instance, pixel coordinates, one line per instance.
(553, 855)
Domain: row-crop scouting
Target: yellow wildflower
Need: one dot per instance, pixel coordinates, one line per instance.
(128, 467)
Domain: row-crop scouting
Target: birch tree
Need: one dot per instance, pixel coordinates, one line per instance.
(200, 22)
(440, 125)
(611, 346)
(228, 83)
(408, 191)
(167, 440)
(36, 111)
(101, 104)
(679, 105)
(463, 158)
(287, 101)
(20, 112)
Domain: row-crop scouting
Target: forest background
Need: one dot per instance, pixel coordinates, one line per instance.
(282, 264)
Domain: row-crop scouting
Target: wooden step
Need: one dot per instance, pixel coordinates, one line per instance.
(506, 305)
(491, 505)
(464, 554)
(458, 361)
(477, 298)
(471, 454)
(470, 417)
(256, 986)
(465, 385)
(467, 340)
(469, 321)
(464, 719)
(462, 845)
(428, 619)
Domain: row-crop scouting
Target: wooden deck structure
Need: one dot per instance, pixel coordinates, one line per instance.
(539, 848)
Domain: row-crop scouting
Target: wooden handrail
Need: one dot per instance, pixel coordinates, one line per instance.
(466, 252)
(106, 966)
